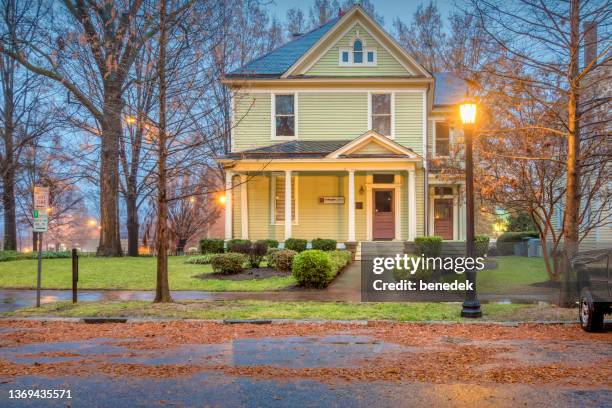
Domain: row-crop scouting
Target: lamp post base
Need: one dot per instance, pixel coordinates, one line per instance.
(471, 309)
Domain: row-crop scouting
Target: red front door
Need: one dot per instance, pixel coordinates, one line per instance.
(383, 225)
(443, 218)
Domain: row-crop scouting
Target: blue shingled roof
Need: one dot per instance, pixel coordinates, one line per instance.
(277, 61)
(449, 89)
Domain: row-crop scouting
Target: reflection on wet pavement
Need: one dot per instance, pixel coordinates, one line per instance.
(287, 352)
(206, 389)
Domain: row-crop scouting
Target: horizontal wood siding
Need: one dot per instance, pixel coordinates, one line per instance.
(409, 120)
(420, 179)
(328, 115)
(252, 121)
(328, 65)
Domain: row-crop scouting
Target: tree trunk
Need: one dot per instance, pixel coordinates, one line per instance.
(572, 205)
(162, 292)
(133, 226)
(8, 204)
(110, 241)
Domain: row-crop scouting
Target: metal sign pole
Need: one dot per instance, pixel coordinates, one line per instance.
(38, 276)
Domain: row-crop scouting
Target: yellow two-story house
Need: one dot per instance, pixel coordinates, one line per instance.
(336, 135)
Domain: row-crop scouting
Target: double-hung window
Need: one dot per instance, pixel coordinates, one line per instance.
(381, 115)
(442, 139)
(284, 116)
(279, 199)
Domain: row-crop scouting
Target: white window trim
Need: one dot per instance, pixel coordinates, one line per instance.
(392, 136)
(273, 116)
(434, 136)
(273, 201)
(351, 62)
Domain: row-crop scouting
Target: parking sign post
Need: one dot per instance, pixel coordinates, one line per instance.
(40, 224)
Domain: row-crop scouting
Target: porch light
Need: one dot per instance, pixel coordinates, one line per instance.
(467, 109)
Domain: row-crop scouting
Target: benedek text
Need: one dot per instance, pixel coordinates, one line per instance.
(407, 285)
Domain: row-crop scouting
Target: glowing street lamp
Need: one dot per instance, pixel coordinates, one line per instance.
(222, 199)
(467, 110)
(92, 223)
(130, 120)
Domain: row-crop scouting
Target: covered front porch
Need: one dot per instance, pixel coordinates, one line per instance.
(368, 188)
(348, 202)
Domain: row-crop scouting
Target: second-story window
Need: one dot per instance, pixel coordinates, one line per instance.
(381, 114)
(285, 115)
(442, 139)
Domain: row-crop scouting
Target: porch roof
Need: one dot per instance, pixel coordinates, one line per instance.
(300, 149)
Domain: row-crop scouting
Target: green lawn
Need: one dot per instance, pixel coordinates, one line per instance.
(125, 273)
(295, 310)
(512, 273)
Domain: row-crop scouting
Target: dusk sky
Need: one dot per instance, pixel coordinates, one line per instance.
(404, 9)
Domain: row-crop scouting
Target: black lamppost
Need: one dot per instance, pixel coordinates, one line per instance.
(471, 304)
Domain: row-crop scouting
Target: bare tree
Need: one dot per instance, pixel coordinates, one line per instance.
(22, 116)
(111, 34)
(424, 38)
(296, 22)
(544, 40)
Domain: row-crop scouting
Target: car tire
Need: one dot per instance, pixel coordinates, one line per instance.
(591, 317)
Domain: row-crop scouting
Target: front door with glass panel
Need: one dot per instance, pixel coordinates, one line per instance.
(383, 225)
(443, 218)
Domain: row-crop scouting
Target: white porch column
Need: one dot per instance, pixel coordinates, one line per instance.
(228, 204)
(412, 205)
(288, 194)
(351, 205)
(244, 207)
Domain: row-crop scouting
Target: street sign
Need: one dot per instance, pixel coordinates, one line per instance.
(41, 221)
(41, 198)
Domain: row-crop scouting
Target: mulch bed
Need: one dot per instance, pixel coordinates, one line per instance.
(247, 274)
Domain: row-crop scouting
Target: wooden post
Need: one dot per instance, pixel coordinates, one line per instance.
(75, 274)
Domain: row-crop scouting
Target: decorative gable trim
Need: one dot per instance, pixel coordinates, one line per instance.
(372, 136)
(354, 16)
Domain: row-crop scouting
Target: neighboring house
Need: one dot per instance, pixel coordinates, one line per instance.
(335, 131)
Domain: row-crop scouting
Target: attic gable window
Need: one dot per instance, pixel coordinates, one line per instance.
(357, 55)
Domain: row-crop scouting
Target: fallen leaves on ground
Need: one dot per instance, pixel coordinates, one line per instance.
(442, 353)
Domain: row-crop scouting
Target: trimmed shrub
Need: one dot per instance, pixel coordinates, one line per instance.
(211, 246)
(297, 245)
(9, 256)
(272, 243)
(312, 268)
(257, 253)
(270, 255)
(229, 263)
(242, 246)
(324, 244)
(282, 260)
(339, 260)
(199, 259)
(505, 242)
(423, 274)
(481, 245)
(428, 246)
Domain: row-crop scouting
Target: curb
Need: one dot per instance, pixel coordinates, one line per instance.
(130, 320)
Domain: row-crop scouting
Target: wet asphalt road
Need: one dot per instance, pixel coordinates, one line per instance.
(223, 391)
(254, 346)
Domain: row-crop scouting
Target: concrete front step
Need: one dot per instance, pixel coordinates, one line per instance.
(381, 248)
